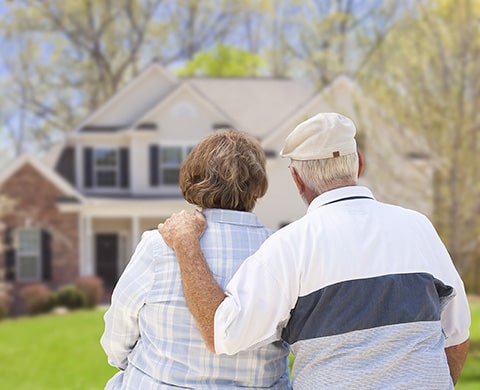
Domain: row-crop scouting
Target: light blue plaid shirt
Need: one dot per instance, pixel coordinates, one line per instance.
(151, 336)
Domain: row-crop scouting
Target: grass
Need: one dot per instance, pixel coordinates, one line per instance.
(54, 352)
(470, 378)
(63, 352)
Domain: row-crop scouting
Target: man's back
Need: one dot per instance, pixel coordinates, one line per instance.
(367, 283)
(374, 310)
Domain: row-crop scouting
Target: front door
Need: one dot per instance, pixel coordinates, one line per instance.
(106, 258)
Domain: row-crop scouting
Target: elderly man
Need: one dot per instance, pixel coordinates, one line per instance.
(364, 292)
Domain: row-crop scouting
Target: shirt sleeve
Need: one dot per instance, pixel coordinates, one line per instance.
(455, 316)
(121, 319)
(257, 305)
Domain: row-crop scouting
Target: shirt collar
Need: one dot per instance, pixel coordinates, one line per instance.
(338, 194)
(233, 217)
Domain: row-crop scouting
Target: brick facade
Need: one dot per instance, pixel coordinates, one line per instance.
(35, 205)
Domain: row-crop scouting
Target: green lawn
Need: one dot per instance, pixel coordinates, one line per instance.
(63, 352)
(54, 352)
(470, 378)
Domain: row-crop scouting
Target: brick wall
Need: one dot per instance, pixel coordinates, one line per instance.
(35, 198)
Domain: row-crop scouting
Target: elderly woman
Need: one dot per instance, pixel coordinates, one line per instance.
(150, 334)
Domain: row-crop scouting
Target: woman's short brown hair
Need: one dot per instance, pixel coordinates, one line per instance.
(225, 170)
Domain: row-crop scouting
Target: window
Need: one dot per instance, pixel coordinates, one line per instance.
(106, 167)
(171, 158)
(29, 255)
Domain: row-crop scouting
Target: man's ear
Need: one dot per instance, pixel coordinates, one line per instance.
(298, 180)
(361, 163)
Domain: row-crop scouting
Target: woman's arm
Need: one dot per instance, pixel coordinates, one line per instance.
(121, 320)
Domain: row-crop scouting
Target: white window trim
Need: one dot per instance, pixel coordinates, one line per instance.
(97, 169)
(185, 149)
(19, 253)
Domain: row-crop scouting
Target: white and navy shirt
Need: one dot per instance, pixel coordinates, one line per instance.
(365, 293)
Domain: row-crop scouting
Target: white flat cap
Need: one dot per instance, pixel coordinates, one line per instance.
(325, 135)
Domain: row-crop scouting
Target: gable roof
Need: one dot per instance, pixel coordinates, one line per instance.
(186, 87)
(44, 170)
(255, 104)
(154, 70)
(344, 95)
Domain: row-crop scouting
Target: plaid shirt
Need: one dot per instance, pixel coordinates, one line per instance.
(151, 336)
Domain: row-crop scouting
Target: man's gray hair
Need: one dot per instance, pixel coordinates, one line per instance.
(326, 174)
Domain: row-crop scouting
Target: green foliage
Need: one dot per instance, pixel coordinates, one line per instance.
(71, 297)
(49, 352)
(37, 298)
(223, 61)
(426, 74)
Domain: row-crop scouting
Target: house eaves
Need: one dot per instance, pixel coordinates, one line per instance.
(66, 188)
(115, 206)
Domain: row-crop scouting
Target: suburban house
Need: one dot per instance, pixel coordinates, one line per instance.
(80, 209)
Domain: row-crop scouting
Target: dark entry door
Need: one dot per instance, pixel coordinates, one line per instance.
(106, 256)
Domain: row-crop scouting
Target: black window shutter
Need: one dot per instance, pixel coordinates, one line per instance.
(88, 167)
(46, 255)
(124, 168)
(9, 254)
(66, 164)
(154, 161)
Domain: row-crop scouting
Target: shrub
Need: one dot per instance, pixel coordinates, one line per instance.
(37, 298)
(92, 288)
(70, 296)
(52, 302)
(4, 304)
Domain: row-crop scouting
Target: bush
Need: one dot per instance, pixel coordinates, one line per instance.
(52, 303)
(4, 304)
(37, 298)
(92, 288)
(70, 296)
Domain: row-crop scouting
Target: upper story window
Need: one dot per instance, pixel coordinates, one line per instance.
(171, 159)
(29, 255)
(165, 163)
(106, 167)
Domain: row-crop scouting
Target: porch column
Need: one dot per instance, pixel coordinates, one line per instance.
(81, 246)
(135, 237)
(89, 257)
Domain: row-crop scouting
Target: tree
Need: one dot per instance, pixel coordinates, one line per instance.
(326, 38)
(427, 71)
(223, 61)
(64, 59)
(194, 26)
